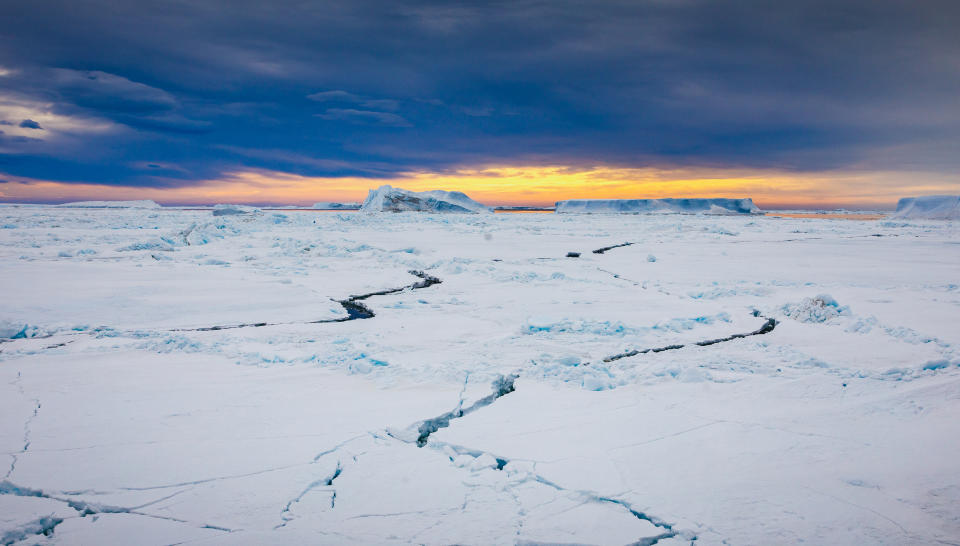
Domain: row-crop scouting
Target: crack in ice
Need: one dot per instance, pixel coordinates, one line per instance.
(611, 247)
(26, 426)
(767, 327)
(355, 310)
(502, 386)
(84, 508)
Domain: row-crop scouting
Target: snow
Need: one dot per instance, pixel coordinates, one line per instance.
(167, 376)
(686, 206)
(142, 204)
(390, 199)
(930, 207)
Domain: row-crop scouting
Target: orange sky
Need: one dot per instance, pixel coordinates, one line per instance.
(536, 186)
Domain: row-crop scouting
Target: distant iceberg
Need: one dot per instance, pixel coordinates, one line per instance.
(390, 199)
(144, 204)
(230, 210)
(930, 207)
(335, 206)
(687, 206)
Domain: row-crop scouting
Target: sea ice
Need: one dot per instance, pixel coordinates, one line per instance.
(169, 376)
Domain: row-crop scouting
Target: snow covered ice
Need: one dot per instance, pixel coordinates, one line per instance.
(171, 376)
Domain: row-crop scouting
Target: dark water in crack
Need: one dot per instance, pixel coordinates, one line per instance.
(501, 386)
(767, 327)
(355, 310)
(606, 248)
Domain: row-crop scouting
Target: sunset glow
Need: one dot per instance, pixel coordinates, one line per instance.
(532, 186)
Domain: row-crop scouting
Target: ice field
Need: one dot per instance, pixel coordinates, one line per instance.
(295, 377)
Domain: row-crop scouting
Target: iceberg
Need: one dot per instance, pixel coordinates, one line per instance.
(323, 205)
(229, 210)
(688, 206)
(929, 207)
(390, 199)
(143, 204)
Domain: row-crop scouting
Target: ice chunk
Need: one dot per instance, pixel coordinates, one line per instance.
(143, 204)
(818, 309)
(689, 206)
(18, 330)
(483, 462)
(929, 207)
(390, 199)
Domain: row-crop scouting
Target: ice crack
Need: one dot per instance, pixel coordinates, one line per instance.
(767, 327)
(611, 247)
(502, 386)
(287, 517)
(355, 310)
(84, 508)
(26, 426)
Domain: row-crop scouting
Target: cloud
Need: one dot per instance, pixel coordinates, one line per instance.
(103, 91)
(334, 95)
(350, 98)
(167, 122)
(807, 86)
(364, 117)
(39, 114)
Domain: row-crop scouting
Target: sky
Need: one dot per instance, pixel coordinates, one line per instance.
(850, 103)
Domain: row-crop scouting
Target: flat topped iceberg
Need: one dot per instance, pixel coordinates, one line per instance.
(390, 199)
(143, 204)
(688, 206)
(931, 207)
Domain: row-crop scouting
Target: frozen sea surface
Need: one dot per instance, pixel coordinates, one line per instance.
(167, 376)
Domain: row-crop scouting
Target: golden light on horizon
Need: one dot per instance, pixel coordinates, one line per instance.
(513, 185)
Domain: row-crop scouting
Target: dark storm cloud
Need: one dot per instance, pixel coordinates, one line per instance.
(108, 92)
(334, 87)
(30, 124)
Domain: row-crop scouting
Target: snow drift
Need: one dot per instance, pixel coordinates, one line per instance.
(932, 207)
(689, 206)
(144, 204)
(390, 199)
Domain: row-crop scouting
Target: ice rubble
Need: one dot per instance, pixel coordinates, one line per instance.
(143, 204)
(390, 199)
(931, 207)
(690, 206)
(817, 309)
